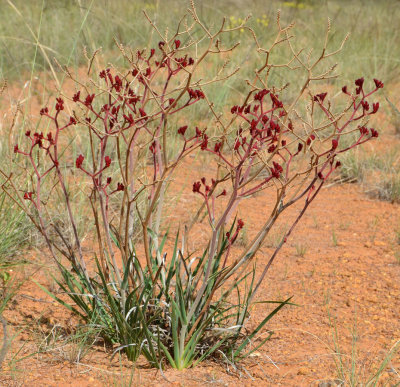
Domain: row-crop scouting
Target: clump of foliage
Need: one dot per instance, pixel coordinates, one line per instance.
(149, 296)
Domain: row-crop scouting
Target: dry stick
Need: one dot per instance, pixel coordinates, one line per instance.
(157, 226)
(68, 204)
(108, 239)
(235, 267)
(160, 207)
(129, 185)
(37, 205)
(32, 219)
(22, 207)
(104, 264)
(164, 160)
(130, 164)
(160, 184)
(94, 209)
(145, 223)
(71, 218)
(104, 211)
(111, 250)
(203, 205)
(268, 265)
(206, 52)
(212, 251)
(256, 242)
(201, 314)
(212, 246)
(5, 347)
(66, 243)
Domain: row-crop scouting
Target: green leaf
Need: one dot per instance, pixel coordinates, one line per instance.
(52, 295)
(260, 326)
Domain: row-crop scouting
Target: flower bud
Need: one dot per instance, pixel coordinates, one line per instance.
(79, 161)
(107, 159)
(77, 95)
(196, 186)
(28, 195)
(182, 130)
(374, 133)
(375, 107)
(359, 82)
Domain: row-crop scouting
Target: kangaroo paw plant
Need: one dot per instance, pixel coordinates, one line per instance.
(166, 279)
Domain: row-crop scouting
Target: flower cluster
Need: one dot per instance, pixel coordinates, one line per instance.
(266, 129)
(127, 108)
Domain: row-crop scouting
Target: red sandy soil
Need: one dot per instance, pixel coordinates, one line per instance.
(348, 271)
(357, 280)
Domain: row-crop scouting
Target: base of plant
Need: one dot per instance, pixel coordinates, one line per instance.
(152, 319)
